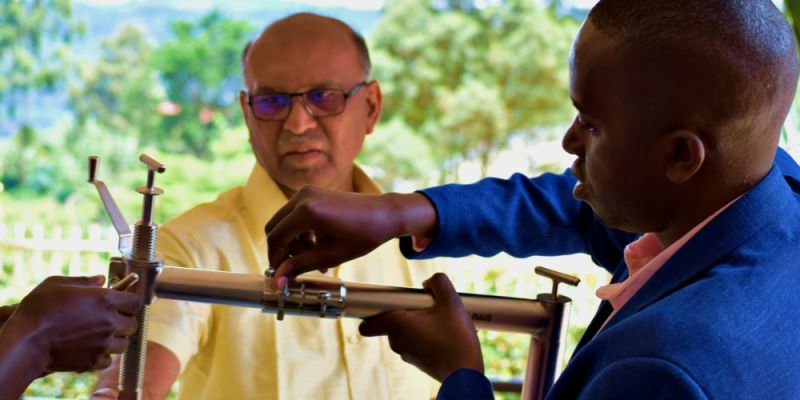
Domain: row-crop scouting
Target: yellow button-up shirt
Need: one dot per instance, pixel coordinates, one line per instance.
(240, 353)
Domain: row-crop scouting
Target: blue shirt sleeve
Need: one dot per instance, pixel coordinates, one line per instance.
(520, 216)
(466, 384)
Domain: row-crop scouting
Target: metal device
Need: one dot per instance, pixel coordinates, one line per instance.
(138, 256)
(544, 318)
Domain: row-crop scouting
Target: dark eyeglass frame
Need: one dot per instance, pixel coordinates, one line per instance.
(304, 95)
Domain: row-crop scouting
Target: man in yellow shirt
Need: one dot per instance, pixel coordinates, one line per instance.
(308, 107)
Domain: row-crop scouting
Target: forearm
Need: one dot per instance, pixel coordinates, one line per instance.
(161, 370)
(108, 379)
(21, 361)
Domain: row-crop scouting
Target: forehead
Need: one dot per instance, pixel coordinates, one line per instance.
(297, 59)
(592, 59)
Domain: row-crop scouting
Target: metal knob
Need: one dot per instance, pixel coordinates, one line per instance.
(556, 277)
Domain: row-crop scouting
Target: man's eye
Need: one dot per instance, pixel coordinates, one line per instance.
(585, 126)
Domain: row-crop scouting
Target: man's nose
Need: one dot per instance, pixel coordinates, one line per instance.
(572, 142)
(299, 120)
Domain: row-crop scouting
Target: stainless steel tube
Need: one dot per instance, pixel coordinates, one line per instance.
(361, 300)
(204, 286)
(494, 313)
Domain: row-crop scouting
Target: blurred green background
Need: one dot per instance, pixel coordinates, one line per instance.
(472, 88)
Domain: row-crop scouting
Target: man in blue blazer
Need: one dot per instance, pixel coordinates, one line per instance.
(682, 195)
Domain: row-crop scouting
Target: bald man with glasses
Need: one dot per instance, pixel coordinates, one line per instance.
(308, 106)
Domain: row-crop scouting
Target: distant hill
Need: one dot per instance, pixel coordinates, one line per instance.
(153, 18)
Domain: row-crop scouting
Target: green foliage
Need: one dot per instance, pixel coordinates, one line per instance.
(120, 92)
(465, 78)
(34, 38)
(201, 71)
(34, 35)
(63, 385)
(394, 152)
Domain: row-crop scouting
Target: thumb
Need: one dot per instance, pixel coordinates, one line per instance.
(381, 324)
(299, 264)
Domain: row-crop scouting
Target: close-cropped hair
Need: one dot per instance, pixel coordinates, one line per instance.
(753, 29)
(746, 49)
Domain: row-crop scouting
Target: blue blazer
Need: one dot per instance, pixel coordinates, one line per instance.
(720, 320)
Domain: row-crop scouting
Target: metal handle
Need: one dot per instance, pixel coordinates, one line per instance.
(120, 225)
(556, 277)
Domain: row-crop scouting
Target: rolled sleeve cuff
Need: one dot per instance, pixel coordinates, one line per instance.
(466, 384)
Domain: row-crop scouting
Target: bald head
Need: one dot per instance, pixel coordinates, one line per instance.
(737, 57)
(307, 30)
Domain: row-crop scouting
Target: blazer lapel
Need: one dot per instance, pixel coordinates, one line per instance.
(725, 233)
(603, 311)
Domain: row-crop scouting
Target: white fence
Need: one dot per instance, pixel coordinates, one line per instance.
(30, 253)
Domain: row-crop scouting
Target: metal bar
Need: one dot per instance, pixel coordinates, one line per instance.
(496, 313)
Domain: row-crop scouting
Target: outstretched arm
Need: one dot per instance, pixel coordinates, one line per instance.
(521, 216)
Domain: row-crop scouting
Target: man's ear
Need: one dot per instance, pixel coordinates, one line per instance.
(374, 105)
(686, 154)
(245, 109)
(243, 104)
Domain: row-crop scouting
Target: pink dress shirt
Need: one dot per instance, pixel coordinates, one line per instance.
(644, 257)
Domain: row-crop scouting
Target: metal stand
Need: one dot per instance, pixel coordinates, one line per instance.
(315, 296)
(138, 257)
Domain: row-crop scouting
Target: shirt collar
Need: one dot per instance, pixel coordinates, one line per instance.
(263, 197)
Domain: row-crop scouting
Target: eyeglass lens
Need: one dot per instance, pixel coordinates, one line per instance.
(320, 102)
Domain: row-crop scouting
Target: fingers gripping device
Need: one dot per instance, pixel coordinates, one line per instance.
(544, 318)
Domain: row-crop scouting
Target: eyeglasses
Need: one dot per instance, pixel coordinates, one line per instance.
(318, 103)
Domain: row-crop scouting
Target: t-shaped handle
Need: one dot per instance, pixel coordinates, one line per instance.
(557, 277)
(149, 191)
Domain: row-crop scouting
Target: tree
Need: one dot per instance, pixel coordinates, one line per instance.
(120, 92)
(201, 70)
(34, 36)
(464, 77)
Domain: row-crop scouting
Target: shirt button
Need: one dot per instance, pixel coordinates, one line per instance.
(352, 339)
